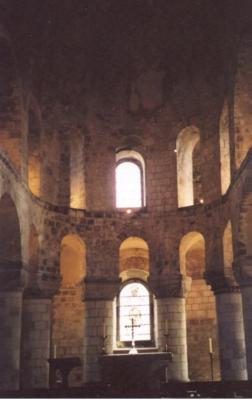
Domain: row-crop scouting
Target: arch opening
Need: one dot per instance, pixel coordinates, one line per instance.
(68, 307)
(130, 179)
(185, 144)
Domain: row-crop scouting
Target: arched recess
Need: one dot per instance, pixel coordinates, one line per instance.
(68, 308)
(200, 308)
(243, 100)
(185, 144)
(130, 179)
(10, 102)
(225, 149)
(34, 150)
(10, 294)
(134, 271)
(134, 259)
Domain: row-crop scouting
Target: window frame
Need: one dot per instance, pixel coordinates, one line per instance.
(139, 343)
(139, 165)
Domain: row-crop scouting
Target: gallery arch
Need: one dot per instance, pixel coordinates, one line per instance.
(185, 144)
(68, 307)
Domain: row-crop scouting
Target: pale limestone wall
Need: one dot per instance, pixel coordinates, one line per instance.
(98, 323)
(171, 317)
(35, 343)
(201, 324)
(68, 327)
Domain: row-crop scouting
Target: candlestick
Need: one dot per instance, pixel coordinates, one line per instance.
(210, 343)
(104, 330)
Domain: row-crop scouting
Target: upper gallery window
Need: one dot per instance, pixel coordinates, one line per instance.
(130, 180)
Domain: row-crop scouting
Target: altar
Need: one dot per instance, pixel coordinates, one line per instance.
(135, 372)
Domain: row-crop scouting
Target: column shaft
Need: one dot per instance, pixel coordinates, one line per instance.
(35, 345)
(231, 336)
(98, 322)
(171, 316)
(247, 314)
(10, 332)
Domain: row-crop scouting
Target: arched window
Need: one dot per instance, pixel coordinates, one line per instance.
(135, 308)
(185, 144)
(130, 180)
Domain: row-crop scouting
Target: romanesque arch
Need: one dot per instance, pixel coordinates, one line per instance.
(130, 179)
(242, 100)
(185, 144)
(68, 308)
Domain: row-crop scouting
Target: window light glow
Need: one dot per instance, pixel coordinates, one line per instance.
(128, 185)
(134, 304)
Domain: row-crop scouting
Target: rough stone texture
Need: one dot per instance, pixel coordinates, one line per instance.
(10, 333)
(97, 325)
(68, 328)
(171, 317)
(231, 336)
(246, 301)
(81, 80)
(35, 343)
(201, 325)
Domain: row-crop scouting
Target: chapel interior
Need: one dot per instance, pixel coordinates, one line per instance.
(125, 191)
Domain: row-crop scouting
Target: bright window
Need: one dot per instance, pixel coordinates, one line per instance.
(134, 308)
(128, 185)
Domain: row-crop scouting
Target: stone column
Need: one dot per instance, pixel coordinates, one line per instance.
(230, 326)
(10, 332)
(171, 320)
(35, 343)
(98, 299)
(247, 315)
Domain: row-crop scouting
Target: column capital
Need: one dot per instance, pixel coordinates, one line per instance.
(221, 283)
(100, 288)
(41, 285)
(168, 285)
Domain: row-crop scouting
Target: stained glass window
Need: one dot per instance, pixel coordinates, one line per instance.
(128, 185)
(134, 308)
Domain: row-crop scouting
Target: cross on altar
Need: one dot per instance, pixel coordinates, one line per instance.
(133, 349)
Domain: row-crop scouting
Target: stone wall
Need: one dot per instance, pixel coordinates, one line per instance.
(201, 325)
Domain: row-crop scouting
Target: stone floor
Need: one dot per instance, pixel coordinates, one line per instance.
(237, 389)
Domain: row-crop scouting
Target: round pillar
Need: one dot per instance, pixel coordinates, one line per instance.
(10, 332)
(35, 342)
(231, 335)
(98, 299)
(247, 315)
(171, 335)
